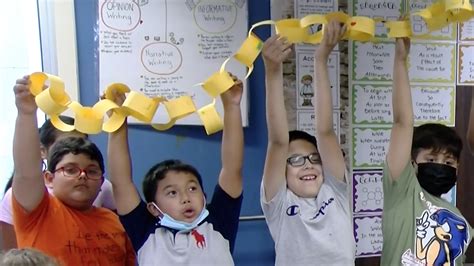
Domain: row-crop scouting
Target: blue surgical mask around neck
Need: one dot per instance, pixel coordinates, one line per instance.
(170, 222)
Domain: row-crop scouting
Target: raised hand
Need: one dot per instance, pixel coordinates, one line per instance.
(233, 96)
(333, 32)
(402, 48)
(275, 51)
(24, 100)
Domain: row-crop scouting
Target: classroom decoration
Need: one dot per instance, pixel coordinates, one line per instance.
(53, 100)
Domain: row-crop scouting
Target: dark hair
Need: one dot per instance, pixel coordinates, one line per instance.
(158, 172)
(48, 133)
(26, 257)
(74, 145)
(9, 183)
(437, 137)
(298, 134)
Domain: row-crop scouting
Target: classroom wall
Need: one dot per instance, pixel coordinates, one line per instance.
(254, 245)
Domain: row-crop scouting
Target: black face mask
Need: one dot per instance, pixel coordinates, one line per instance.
(436, 178)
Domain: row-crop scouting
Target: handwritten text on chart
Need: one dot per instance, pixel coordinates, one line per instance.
(432, 62)
(434, 104)
(215, 47)
(161, 58)
(466, 64)
(368, 191)
(120, 15)
(370, 146)
(372, 104)
(368, 235)
(373, 61)
(115, 42)
(215, 16)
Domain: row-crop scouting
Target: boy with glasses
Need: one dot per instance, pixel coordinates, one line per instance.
(63, 224)
(307, 211)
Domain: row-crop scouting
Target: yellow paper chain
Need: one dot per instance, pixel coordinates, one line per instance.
(53, 100)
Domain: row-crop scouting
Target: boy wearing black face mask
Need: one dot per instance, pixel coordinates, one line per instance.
(419, 227)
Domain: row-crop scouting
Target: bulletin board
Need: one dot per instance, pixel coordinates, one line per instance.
(167, 48)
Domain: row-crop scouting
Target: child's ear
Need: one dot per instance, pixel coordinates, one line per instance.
(152, 209)
(44, 152)
(48, 179)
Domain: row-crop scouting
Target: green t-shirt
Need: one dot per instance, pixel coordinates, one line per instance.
(419, 228)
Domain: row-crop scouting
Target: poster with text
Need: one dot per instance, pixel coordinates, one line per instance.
(432, 62)
(368, 235)
(306, 79)
(466, 31)
(372, 61)
(377, 9)
(370, 146)
(372, 104)
(307, 121)
(419, 26)
(165, 48)
(465, 64)
(367, 191)
(434, 104)
(309, 7)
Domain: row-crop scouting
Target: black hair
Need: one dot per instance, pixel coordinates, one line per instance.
(9, 183)
(74, 145)
(437, 137)
(302, 135)
(48, 133)
(158, 172)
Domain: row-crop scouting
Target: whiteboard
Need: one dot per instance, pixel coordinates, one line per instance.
(167, 47)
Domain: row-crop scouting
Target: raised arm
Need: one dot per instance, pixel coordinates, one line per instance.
(275, 51)
(399, 151)
(470, 129)
(328, 144)
(119, 168)
(230, 178)
(28, 184)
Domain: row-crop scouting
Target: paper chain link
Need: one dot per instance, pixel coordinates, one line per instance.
(53, 100)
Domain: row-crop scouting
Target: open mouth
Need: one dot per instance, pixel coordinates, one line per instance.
(308, 178)
(189, 213)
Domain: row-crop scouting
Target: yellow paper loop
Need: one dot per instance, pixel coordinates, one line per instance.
(249, 50)
(399, 29)
(180, 107)
(218, 83)
(361, 29)
(86, 119)
(59, 124)
(210, 118)
(50, 95)
(38, 80)
(140, 106)
(291, 30)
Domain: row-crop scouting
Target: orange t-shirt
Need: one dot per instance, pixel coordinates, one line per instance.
(74, 237)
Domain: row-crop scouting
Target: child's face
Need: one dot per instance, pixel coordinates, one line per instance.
(305, 180)
(180, 196)
(78, 192)
(441, 157)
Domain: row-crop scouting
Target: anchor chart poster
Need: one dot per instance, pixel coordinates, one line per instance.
(166, 48)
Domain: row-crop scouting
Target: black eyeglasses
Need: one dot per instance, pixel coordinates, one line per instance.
(300, 160)
(93, 173)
